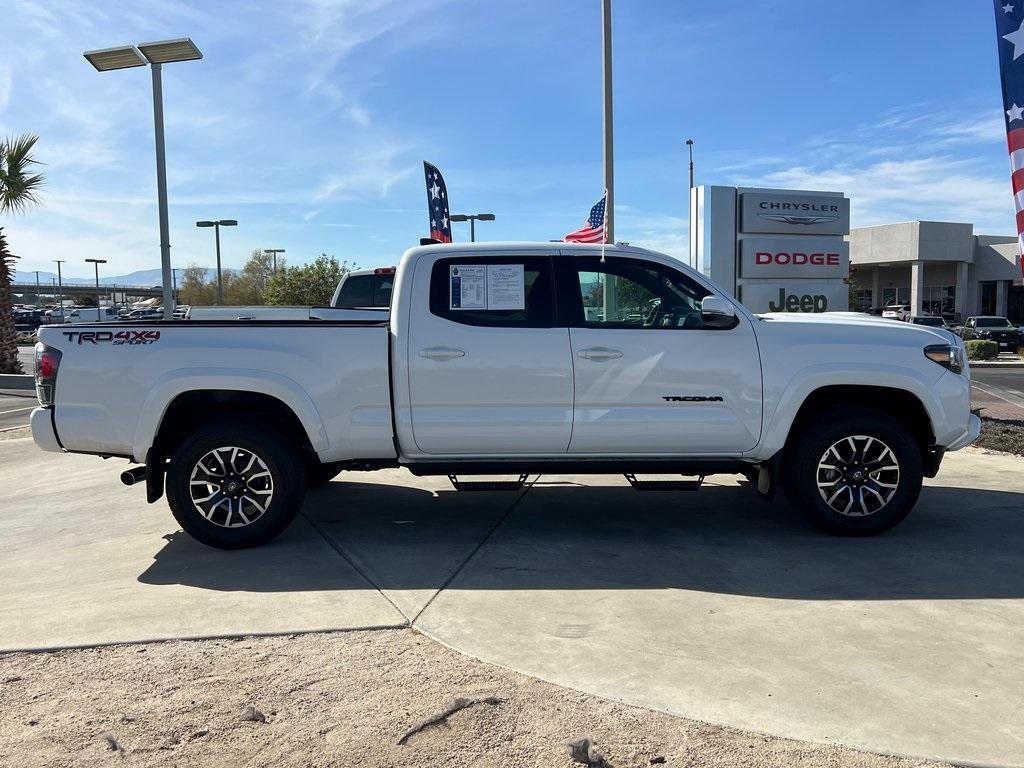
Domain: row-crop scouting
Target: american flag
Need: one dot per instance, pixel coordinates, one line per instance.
(437, 204)
(593, 230)
(1010, 29)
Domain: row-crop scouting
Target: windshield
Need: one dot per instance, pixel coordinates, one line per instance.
(993, 322)
(365, 291)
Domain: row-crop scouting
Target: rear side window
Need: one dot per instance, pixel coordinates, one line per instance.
(524, 283)
(356, 291)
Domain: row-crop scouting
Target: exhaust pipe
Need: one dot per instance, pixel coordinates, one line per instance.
(133, 475)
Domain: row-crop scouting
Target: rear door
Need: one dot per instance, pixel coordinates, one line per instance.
(489, 373)
(650, 378)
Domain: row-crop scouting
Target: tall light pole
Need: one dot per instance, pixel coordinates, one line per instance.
(689, 238)
(96, 265)
(155, 54)
(216, 229)
(609, 170)
(273, 252)
(472, 218)
(60, 288)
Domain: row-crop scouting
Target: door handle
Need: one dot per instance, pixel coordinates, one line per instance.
(441, 353)
(599, 353)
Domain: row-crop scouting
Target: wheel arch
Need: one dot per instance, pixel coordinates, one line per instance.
(191, 398)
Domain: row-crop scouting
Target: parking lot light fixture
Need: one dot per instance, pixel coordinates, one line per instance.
(121, 57)
(156, 54)
(96, 264)
(472, 218)
(216, 229)
(273, 252)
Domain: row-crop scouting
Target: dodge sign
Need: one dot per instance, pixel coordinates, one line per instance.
(794, 257)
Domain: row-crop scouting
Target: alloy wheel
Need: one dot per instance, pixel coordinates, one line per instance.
(858, 475)
(231, 486)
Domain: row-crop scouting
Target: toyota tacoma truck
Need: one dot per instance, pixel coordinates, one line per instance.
(512, 359)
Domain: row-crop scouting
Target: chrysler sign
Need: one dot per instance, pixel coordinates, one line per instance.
(794, 214)
(794, 257)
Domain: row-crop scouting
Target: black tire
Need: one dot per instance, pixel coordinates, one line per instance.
(872, 505)
(276, 466)
(321, 474)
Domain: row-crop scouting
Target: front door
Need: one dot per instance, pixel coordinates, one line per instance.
(650, 378)
(490, 374)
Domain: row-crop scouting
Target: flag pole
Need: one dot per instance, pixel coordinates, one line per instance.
(609, 173)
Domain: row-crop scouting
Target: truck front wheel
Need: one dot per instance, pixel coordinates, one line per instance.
(855, 472)
(233, 486)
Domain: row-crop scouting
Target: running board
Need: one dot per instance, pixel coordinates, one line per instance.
(488, 485)
(664, 485)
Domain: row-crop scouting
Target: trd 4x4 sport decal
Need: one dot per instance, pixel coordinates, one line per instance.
(112, 337)
(693, 399)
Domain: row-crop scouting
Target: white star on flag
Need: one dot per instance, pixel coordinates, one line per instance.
(435, 189)
(1015, 113)
(1017, 38)
(1007, 8)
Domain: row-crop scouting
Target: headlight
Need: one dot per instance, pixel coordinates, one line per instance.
(946, 355)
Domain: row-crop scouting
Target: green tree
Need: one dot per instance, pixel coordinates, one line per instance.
(18, 188)
(309, 285)
(194, 289)
(250, 285)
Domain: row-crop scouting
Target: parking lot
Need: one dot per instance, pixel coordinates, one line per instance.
(712, 605)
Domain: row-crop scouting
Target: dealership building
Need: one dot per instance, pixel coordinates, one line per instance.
(937, 267)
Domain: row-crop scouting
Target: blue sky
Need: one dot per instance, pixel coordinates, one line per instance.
(307, 120)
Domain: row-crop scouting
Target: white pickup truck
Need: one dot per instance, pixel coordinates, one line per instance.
(513, 359)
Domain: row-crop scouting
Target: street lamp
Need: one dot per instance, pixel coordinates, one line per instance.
(155, 54)
(60, 288)
(96, 265)
(273, 252)
(216, 229)
(472, 218)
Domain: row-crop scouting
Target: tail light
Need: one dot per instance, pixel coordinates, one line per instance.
(47, 363)
(384, 270)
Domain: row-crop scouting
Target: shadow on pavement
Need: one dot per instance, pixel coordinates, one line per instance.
(958, 543)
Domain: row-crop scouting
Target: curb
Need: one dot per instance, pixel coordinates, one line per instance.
(17, 381)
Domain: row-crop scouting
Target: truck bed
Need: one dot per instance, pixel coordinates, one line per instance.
(118, 379)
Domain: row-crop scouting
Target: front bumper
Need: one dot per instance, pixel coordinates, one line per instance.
(969, 435)
(43, 433)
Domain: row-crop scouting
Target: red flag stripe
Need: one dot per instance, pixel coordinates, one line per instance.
(1015, 139)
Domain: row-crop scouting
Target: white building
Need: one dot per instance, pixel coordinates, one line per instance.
(940, 268)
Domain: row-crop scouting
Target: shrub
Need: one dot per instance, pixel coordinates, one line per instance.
(980, 349)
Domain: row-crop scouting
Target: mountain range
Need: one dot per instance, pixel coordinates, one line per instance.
(144, 277)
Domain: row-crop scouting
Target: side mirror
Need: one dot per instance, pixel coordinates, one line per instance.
(717, 312)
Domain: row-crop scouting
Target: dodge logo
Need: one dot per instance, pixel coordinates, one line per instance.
(783, 258)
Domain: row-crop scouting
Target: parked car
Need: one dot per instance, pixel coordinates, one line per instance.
(896, 311)
(91, 315)
(487, 364)
(145, 314)
(993, 328)
(934, 321)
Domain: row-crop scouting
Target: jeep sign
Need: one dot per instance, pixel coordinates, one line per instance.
(794, 257)
(794, 214)
(798, 296)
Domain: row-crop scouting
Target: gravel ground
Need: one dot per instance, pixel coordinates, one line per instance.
(1000, 435)
(340, 699)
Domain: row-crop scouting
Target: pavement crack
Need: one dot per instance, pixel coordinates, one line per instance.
(451, 577)
(345, 556)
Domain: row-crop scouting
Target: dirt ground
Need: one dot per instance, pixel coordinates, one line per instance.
(339, 699)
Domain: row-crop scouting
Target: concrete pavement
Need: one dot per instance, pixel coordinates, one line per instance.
(712, 605)
(15, 408)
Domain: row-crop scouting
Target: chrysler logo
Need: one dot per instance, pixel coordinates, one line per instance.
(787, 218)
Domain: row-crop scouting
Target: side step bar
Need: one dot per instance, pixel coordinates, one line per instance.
(488, 485)
(664, 485)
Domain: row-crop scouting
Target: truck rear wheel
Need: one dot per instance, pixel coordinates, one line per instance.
(233, 486)
(855, 472)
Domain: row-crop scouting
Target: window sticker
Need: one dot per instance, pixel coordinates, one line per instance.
(506, 286)
(468, 286)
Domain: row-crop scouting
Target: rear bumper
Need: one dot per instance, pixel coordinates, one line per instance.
(969, 435)
(43, 433)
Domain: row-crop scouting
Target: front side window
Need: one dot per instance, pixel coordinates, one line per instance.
(629, 293)
(495, 291)
(993, 322)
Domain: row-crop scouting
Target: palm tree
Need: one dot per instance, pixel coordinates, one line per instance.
(18, 190)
